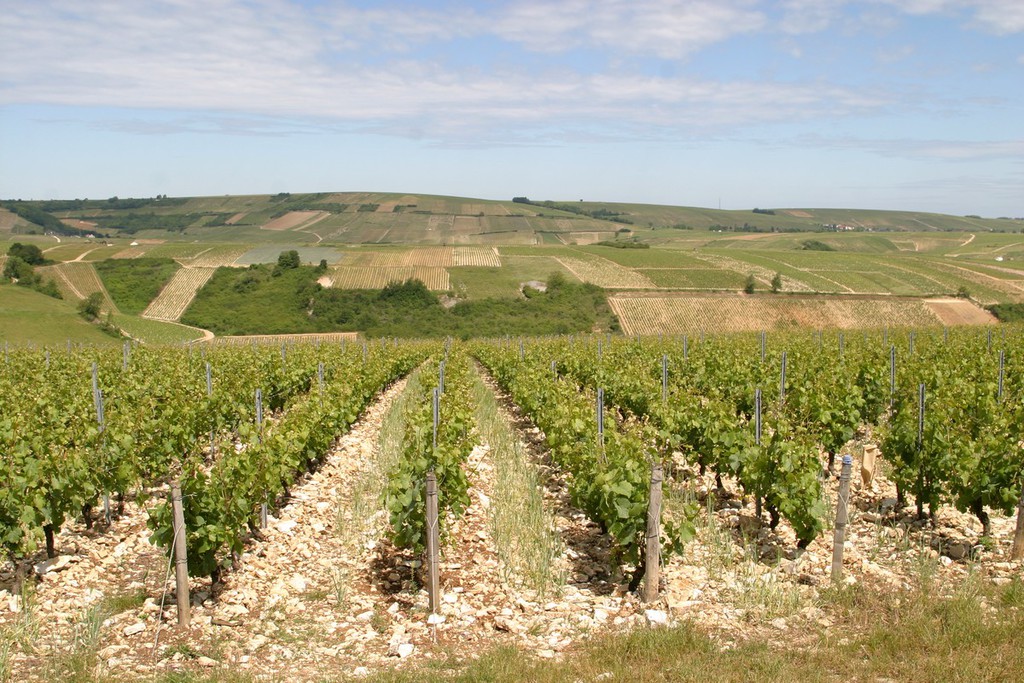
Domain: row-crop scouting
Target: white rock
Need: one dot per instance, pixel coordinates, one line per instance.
(546, 654)
(360, 671)
(287, 526)
(111, 651)
(257, 641)
(298, 583)
(133, 629)
(401, 650)
(54, 564)
(656, 617)
(435, 619)
(206, 661)
(451, 598)
(14, 603)
(506, 624)
(780, 624)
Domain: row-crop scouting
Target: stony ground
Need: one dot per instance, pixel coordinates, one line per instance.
(327, 595)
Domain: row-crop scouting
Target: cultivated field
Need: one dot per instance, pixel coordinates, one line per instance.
(367, 277)
(296, 220)
(131, 252)
(8, 220)
(77, 280)
(269, 254)
(605, 273)
(677, 314)
(177, 294)
(477, 256)
(311, 338)
(215, 257)
(434, 257)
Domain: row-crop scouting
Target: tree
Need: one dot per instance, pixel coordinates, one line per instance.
(289, 259)
(29, 253)
(751, 284)
(777, 283)
(17, 269)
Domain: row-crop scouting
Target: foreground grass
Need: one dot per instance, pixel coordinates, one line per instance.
(973, 635)
(920, 637)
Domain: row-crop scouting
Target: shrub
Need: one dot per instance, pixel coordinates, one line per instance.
(89, 307)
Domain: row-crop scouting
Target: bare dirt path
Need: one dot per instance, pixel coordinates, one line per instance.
(83, 255)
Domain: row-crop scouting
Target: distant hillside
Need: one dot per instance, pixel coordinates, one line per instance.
(154, 260)
(392, 218)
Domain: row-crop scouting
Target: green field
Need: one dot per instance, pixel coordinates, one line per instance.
(30, 317)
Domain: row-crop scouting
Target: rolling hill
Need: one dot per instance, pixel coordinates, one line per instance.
(467, 249)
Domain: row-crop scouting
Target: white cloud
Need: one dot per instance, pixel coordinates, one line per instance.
(924, 149)
(666, 28)
(809, 16)
(273, 58)
(999, 17)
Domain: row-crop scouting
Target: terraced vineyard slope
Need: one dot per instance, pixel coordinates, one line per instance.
(178, 293)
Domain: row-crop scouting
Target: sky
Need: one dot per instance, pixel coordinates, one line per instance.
(874, 104)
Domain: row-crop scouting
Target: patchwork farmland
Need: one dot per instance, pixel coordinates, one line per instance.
(474, 249)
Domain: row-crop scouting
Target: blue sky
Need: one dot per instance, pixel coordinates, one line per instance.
(888, 104)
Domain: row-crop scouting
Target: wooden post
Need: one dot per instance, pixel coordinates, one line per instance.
(782, 380)
(436, 414)
(841, 519)
(652, 549)
(664, 378)
(433, 581)
(1002, 364)
(892, 375)
(757, 441)
(1018, 536)
(180, 556)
